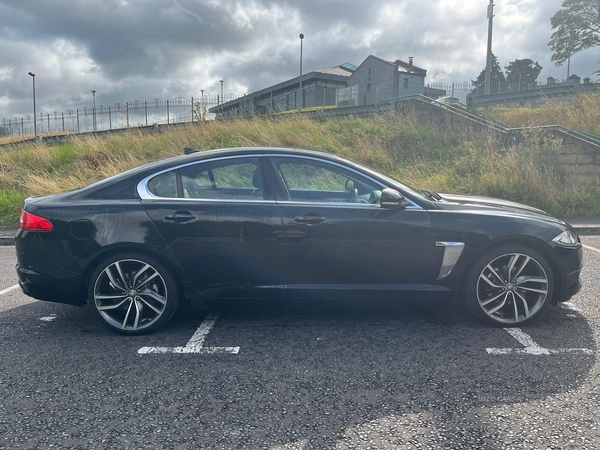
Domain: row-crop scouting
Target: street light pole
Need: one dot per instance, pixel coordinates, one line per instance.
(94, 111)
(301, 40)
(221, 81)
(488, 65)
(32, 75)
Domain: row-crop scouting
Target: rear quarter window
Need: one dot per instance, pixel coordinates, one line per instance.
(164, 185)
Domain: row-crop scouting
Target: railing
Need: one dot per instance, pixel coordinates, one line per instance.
(471, 114)
(118, 116)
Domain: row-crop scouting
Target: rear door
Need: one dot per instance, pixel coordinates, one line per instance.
(222, 223)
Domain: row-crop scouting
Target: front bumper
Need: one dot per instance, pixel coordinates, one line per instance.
(570, 263)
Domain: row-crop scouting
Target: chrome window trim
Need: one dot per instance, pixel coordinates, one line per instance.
(212, 200)
(145, 194)
(412, 205)
(331, 204)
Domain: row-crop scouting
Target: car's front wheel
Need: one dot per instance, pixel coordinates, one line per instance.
(133, 294)
(509, 285)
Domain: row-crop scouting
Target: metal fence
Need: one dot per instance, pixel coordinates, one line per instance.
(118, 116)
(454, 89)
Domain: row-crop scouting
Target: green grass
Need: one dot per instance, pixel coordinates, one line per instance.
(400, 146)
(9, 201)
(580, 112)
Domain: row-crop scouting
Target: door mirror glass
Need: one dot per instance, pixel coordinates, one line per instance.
(349, 185)
(391, 198)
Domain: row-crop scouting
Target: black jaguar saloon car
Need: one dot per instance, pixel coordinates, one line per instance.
(286, 223)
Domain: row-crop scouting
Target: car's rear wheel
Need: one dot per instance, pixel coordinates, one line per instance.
(509, 286)
(133, 294)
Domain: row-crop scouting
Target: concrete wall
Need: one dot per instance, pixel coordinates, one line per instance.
(580, 159)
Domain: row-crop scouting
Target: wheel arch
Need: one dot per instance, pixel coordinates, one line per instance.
(529, 241)
(131, 248)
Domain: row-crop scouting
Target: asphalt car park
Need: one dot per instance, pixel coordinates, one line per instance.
(301, 375)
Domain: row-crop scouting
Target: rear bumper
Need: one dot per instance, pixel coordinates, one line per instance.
(40, 278)
(48, 288)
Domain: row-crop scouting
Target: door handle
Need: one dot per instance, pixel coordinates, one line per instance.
(180, 217)
(310, 220)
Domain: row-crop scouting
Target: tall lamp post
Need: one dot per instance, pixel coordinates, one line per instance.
(221, 81)
(32, 75)
(488, 64)
(301, 39)
(94, 111)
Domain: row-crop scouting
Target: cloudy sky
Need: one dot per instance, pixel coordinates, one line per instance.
(147, 49)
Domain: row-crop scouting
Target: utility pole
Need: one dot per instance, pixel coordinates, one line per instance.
(488, 65)
(301, 40)
(222, 100)
(32, 75)
(94, 111)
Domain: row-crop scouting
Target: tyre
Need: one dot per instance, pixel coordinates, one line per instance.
(133, 294)
(509, 286)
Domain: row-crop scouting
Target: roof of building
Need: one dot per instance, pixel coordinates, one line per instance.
(344, 70)
(337, 73)
(408, 68)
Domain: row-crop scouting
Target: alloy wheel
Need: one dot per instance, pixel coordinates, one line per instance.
(130, 294)
(512, 288)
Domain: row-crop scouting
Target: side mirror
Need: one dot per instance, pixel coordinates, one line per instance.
(392, 199)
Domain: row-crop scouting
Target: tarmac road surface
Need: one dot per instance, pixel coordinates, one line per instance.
(306, 375)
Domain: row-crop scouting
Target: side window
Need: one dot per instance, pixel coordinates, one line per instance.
(314, 181)
(308, 177)
(164, 185)
(229, 179)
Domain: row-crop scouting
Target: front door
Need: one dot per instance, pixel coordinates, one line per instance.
(340, 241)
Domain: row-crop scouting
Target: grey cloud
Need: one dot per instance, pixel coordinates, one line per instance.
(146, 49)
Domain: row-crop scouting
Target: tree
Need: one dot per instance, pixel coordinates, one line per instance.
(496, 76)
(4, 131)
(523, 72)
(577, 26)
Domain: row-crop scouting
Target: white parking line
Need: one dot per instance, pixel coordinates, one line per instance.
(532, 347)
(527, 341)
(589, 247)
(10, 289)
(195, 344)
(570, 307)
(49, 318)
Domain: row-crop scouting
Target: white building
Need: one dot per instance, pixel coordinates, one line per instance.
(377, 80)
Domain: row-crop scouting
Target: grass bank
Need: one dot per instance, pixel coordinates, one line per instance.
(418, 154)
(580, 112)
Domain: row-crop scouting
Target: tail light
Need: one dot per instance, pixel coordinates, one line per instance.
(31, 222)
